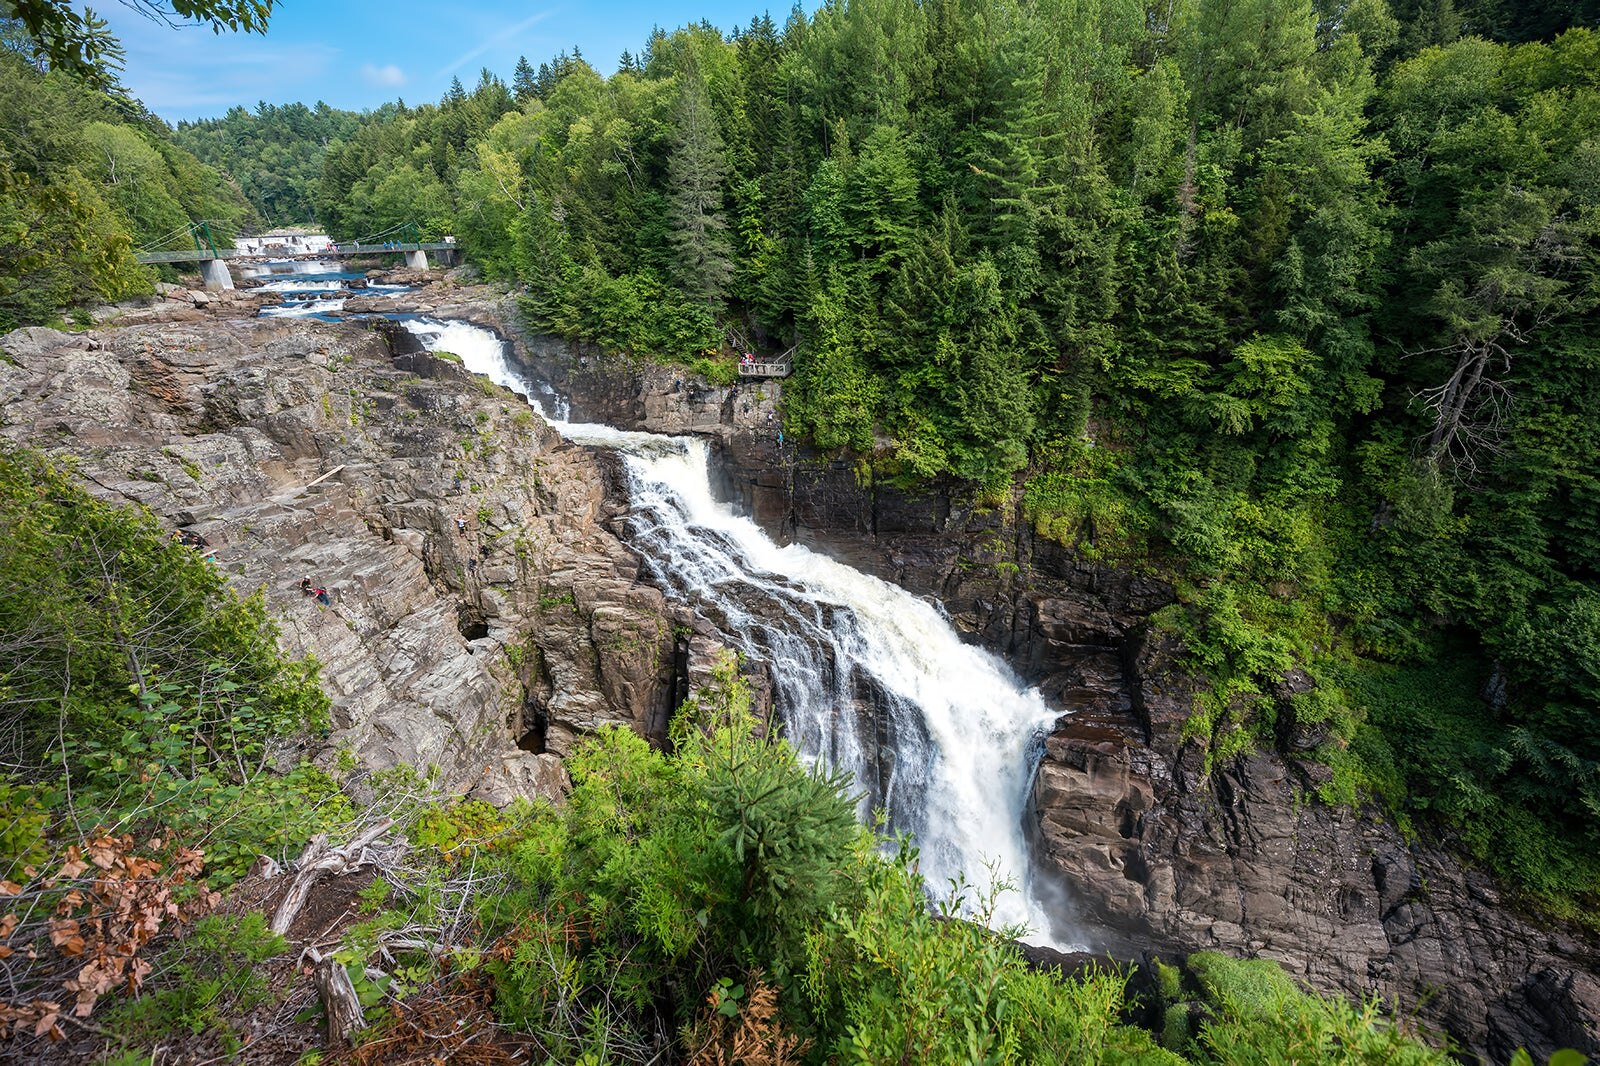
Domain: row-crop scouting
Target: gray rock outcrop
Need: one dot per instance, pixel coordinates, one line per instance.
(479, 598)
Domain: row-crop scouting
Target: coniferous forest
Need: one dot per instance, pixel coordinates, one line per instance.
(1294, 305)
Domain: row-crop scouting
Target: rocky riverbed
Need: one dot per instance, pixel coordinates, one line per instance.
(343, 454)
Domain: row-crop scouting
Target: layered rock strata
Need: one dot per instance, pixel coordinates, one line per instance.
(483, 613)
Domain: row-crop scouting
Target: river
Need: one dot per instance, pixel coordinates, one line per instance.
(939, 735)
(311, 288)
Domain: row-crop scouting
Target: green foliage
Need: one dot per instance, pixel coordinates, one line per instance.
(107, 595)
(1074, 500)
(470, 825)
(78, 42)
(134, 676)
(209, 980)
(275, 153)
(84, 178)
(1254, 1013)
(1461, 762)
(897, 984)
(27, 816)
(671, 882)
(675, 869)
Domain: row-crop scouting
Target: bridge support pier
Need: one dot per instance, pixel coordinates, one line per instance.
(215, 274)
(417, 260)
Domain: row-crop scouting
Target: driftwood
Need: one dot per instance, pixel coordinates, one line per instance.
(318, 861)
(339, 999)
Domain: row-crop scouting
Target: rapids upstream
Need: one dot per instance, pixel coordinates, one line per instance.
(312, 288)
(868, 678)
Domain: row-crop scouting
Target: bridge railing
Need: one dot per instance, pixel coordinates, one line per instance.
(188, 256)
(355, 248)
(192, 255)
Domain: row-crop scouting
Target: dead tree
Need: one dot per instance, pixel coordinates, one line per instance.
(317, 862)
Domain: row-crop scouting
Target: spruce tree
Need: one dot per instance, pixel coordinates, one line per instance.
(523, 86)
(694, 174)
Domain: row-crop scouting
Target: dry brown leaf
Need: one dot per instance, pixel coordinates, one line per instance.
(74, 866)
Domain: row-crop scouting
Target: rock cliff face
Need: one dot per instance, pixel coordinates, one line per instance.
(1158, 855)
(483, 614)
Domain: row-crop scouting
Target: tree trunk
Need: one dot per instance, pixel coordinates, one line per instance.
(339, 999)
(317, 861)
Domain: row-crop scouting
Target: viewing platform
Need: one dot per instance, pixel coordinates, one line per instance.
(778, 366)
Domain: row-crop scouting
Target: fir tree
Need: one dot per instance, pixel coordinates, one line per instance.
(524, 87)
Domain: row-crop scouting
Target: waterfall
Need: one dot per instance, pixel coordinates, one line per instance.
(870, 679)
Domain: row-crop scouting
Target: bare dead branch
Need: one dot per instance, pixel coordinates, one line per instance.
(317, 862)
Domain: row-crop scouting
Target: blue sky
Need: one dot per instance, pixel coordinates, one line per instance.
(357, 55)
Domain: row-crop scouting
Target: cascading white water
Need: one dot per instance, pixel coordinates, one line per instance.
(870, 679)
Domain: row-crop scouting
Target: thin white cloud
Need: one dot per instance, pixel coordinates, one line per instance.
(500, 38)
(176, 79)
(388, 76)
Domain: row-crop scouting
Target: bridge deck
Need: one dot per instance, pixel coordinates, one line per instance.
(196, 256)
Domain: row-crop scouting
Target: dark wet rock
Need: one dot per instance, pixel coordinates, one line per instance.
(1156, 849)
(1163, 856)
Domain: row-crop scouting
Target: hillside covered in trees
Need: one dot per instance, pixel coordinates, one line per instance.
(87, 177)
(1290, 303)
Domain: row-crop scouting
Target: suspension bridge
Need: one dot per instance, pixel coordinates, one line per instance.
(404, 239)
